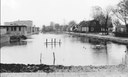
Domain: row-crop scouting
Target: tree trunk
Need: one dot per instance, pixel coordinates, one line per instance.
(106, 25)
(127, 28)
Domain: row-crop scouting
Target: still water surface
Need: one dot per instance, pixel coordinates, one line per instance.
(72, 50)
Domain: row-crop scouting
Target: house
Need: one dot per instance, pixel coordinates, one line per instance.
(17, 30)
(92, 26)
(28, 23)
(2, 31)
(83, 27)
(35, 30)
(121, 31)
(3, 37)
(108, 28)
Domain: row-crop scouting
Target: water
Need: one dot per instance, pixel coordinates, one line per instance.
(72, 50)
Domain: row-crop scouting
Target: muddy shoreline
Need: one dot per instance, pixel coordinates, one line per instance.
(10, 68)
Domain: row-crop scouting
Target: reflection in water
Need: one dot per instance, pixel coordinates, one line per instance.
(53, 43)
(54, 59)
(102, 52)
(101, 49)
(17, 43)
(125, 59)
(40, 58)
(72, 50)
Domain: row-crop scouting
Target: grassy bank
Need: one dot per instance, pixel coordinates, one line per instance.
(103, 37)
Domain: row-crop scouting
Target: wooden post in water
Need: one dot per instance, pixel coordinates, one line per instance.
(46, 43)
(59, 42)
(54, 58)
(40, 58)
(54, 43)
(52, 40)
(46, 40)
(126, 56)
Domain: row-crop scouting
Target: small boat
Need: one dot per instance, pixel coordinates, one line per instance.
(14, 38)
(17, 38)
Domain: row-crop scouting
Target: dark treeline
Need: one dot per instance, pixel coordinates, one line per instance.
(54, 28)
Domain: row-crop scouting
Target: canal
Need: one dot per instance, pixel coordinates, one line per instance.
(72, 50)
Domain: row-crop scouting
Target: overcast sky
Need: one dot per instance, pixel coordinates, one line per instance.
(42, 12)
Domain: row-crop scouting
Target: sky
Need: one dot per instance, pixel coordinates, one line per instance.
(42, 12)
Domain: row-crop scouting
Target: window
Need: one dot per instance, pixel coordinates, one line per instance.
(11, 28)
(14, 28)
(7, 28)
(19, 28)
(92, 29)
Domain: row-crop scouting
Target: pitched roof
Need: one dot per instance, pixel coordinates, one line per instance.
(89, 23)
(83, 23)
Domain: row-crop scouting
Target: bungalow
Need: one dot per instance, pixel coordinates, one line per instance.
(121, 31)
(2, 31)
(16, 30)
(93, 26)
(3, 37)
(35, 30)
(28, 23)
(89, 26)
(83, 27)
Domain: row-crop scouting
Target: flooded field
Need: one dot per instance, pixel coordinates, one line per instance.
(68, 50)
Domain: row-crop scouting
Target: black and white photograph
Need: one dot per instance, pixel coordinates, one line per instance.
(63, 38)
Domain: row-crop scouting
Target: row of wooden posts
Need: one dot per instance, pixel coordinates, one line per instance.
(52, 42)
(54, 59)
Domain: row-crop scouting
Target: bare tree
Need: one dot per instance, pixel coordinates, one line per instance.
(103, 16)
(116, 22)
(71, 24)
(57, 26)
(97, 13)
(121, 12)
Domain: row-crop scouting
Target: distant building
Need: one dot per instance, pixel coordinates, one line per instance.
(89, 26)
(14, 30)
(83, 27)
(28, 23)
(3, 36)
(2, 31)
(35, 30)
(93, 26)
(121, 28)
(121, 31)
